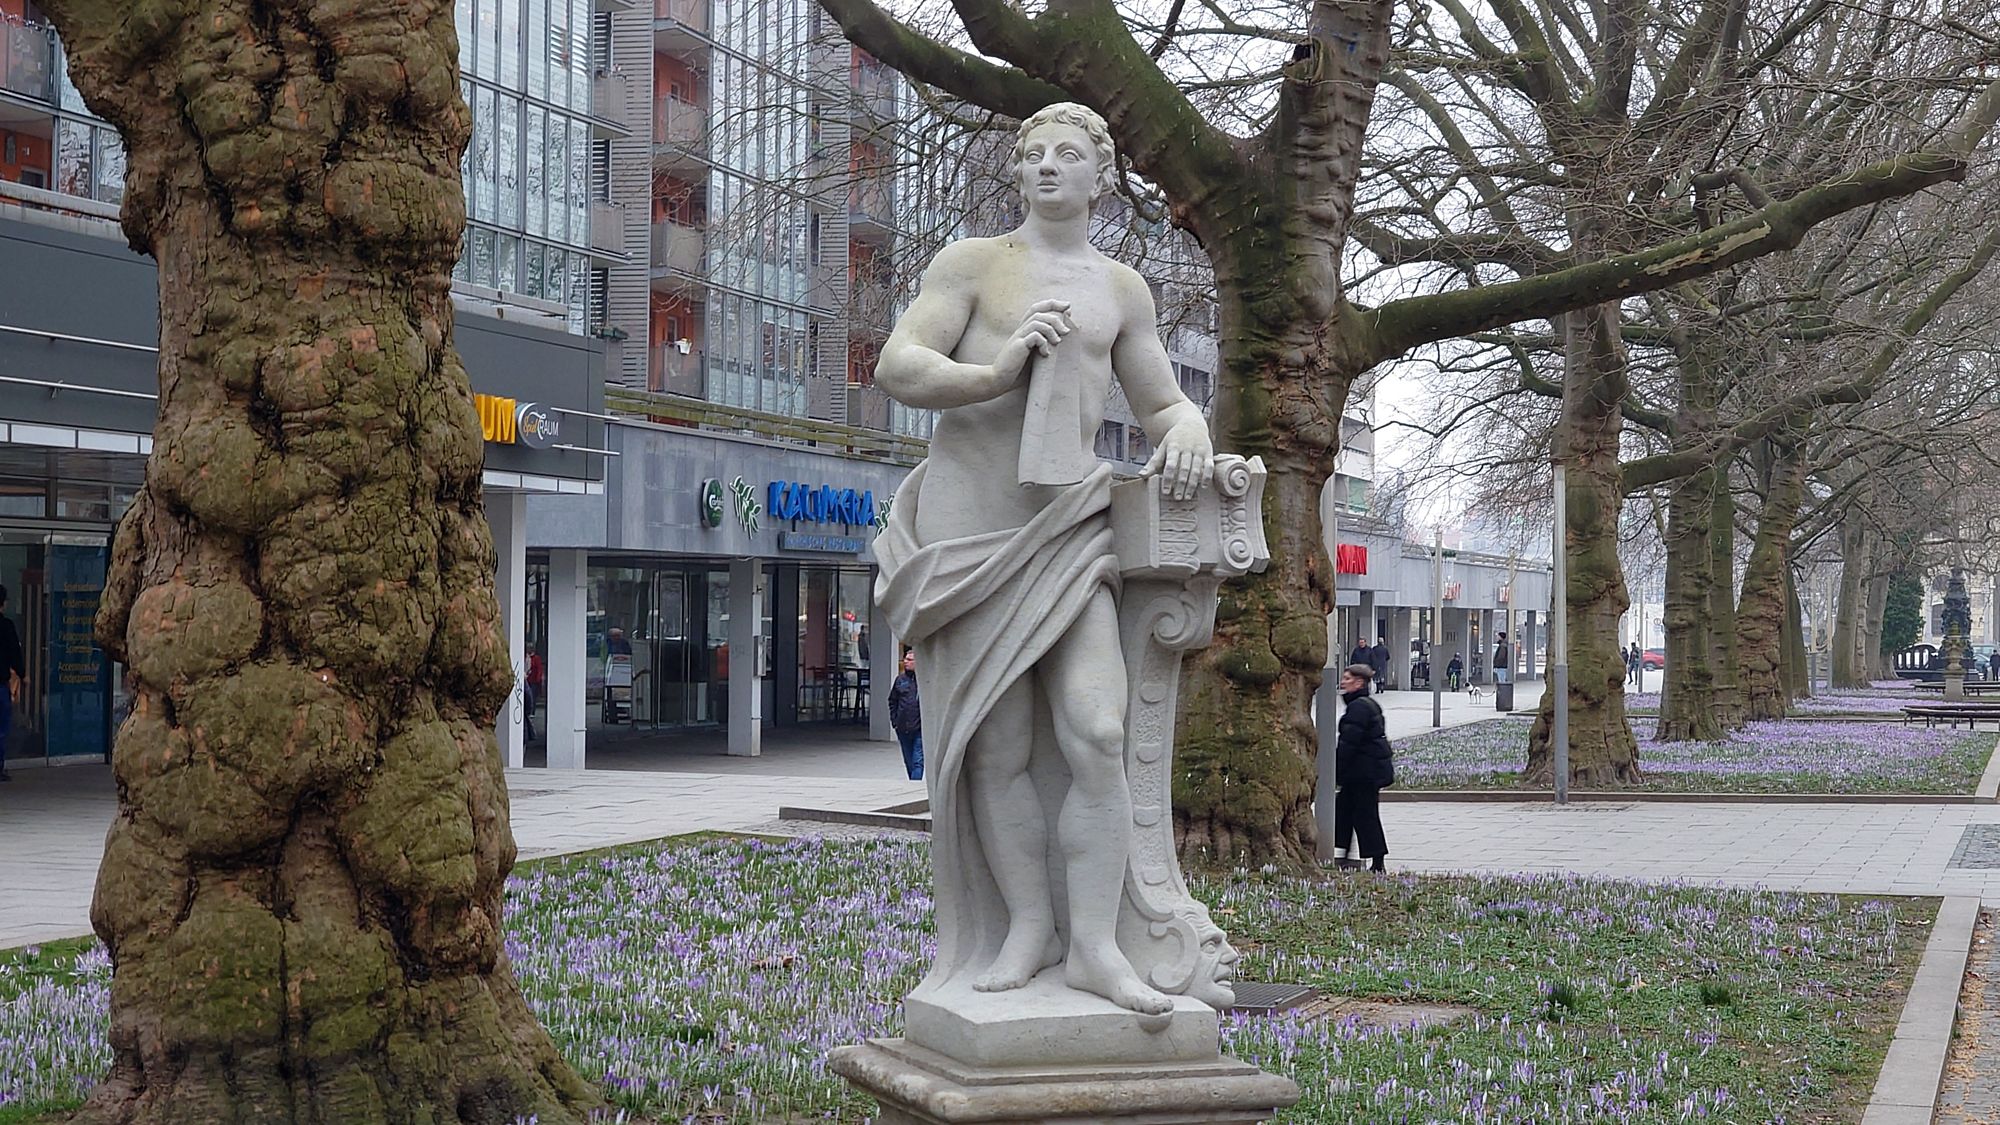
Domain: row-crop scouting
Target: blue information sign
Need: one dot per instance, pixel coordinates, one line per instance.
(79, 687)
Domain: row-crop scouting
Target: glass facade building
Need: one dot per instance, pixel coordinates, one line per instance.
(527, 73)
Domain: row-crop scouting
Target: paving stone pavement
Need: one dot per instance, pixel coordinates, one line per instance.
(1971, 1090)
(52, 823)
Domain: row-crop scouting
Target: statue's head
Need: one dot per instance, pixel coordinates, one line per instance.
(1075, 116)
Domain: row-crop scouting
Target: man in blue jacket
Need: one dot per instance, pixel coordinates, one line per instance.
(906, 717)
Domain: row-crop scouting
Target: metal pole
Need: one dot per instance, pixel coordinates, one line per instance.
(1326, 712)
(1437, 629)
(1559, 640)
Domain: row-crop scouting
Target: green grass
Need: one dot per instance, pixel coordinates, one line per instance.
(707, 979)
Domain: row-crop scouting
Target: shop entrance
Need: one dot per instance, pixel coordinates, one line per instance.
(54, 582)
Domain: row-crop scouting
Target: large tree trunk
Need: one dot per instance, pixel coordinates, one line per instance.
(1876, 660)
(1850, 662)
(1687, 709)
(1727, 700)
(1760, 612)
(302, 889)
(1245, 745)
(1602, 749)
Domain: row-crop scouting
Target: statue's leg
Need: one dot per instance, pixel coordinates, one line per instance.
(1008, 818)
(1083, 677)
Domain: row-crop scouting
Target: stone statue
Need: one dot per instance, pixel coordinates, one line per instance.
(999, 566)
(1076, 979)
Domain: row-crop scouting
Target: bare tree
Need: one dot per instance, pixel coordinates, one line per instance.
(1260, 162)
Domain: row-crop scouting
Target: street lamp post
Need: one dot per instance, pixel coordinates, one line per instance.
(1559, 639)
(1437, 628)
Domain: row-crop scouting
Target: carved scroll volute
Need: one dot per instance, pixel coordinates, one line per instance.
(1174, 554)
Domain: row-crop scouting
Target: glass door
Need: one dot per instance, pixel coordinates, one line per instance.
(23, 560)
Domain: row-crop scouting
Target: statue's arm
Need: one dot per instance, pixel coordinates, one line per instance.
(1183, 451)
(916, 367)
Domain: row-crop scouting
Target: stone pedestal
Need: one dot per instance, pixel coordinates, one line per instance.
(916, 1086)
(1954, 685)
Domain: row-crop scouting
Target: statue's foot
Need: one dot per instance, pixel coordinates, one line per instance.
(1021, 956)
(1110, 975)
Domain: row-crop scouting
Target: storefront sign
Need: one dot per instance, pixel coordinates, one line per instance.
(711, 502)
(497, 421)
(1452, 590)
(504, 421)
(1350, 558)
(79, 687)
(813, 541)
(537, 425)
(825, 504)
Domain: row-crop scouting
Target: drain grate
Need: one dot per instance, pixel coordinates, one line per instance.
(1268, 999)
(1978, 848)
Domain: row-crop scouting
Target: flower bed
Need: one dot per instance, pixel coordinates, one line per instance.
(1768, 757)
(1886, 697)
(705, 980)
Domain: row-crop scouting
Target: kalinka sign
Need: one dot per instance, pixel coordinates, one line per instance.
(825, 504)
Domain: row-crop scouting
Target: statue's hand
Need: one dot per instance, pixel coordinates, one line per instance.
(1041, 330)
(1186, 459)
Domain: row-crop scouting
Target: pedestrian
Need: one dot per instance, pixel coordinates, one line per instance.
(1361, 654)
(1378, 659)
(16, 675)
(1635, 663)
(1503, 661)
(1363, 766)
(1993, 664)
(531, 692)
(906, 716)
(1454, 673)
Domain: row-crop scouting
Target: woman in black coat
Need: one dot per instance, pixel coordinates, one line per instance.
(1363, 768)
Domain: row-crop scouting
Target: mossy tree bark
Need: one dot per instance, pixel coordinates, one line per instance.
(1765, 601)
(1273, 212)
(302, 889)
(1875, 660)
(1602, 750)
(1850, 661)
(1687, 711)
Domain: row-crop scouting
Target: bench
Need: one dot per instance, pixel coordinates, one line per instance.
(1972, 687)
(1971, 714)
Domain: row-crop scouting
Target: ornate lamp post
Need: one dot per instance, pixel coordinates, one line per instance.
(1957, 634)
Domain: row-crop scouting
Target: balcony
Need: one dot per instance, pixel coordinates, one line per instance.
(28, 59)
(867, 407)
(607, 228)
(674, 371)
(611, 104)
(677, 249)
(871, 211)
(872, 308)
(680, 136)
(874, 101)
(680, 27)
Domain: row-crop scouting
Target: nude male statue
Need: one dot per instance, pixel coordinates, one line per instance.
(1001, 566)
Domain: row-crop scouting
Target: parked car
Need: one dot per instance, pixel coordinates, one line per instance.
(1654, 658)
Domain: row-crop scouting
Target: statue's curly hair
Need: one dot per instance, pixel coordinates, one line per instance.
(1084, 118)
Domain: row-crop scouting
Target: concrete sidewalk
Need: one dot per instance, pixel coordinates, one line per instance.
(53, 820)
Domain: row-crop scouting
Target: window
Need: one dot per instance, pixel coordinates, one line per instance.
(1111, 441)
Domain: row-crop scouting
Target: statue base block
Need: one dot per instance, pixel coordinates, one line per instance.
(1047, 1021)
(915, 1086)
(1954, 686)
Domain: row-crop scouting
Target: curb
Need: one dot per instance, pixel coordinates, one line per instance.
(1985, 796)
(1906, 1092)
(886, 818)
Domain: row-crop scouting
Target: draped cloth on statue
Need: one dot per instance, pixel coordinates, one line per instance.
(981, 611)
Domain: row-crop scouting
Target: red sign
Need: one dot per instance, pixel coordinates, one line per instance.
(1350, 558)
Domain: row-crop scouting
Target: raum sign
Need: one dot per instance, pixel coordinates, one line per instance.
(824, 504)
